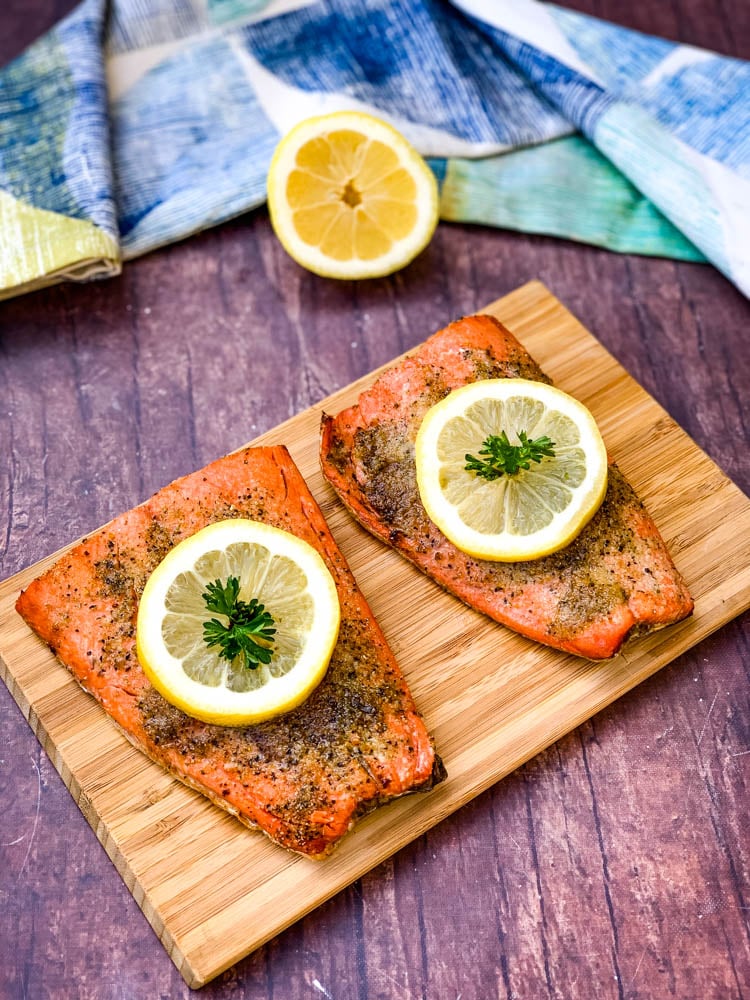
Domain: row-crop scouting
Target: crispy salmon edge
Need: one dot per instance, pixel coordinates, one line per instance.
(438, 775)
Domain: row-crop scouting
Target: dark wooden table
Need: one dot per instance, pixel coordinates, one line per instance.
(616, 864)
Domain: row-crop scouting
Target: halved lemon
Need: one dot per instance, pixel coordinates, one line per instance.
(349, 197)
(275, 568)
(532, 512)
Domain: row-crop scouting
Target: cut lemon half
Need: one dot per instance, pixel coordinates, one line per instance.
(283, 573)
(349, 197)
(533, 511)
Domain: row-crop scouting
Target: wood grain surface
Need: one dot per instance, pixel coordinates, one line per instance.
(214, 892)
(616, 864)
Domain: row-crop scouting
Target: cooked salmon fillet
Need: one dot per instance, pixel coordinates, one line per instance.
(614, 581)
(302, 778)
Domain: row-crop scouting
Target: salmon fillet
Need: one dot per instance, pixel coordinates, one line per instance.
(302, 778)
(614, 581)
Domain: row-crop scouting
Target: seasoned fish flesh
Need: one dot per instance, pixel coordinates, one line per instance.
(615, 580)
(302, 778)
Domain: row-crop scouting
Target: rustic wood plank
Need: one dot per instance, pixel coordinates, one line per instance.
(465, 897)
(420, 876)
(492, 699)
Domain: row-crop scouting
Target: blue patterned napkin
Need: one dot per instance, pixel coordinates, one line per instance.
(134, 124)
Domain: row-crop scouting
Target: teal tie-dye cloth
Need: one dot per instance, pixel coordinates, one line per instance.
(133, 124)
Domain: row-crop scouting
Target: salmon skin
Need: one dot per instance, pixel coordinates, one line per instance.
(302, 778)
(614, 581)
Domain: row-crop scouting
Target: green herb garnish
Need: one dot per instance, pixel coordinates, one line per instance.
(504, 458)
(248, 622)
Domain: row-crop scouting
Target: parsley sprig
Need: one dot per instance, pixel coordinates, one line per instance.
(504, 458)
(250, 632)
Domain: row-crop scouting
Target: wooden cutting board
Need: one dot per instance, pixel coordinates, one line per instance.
(213, 890)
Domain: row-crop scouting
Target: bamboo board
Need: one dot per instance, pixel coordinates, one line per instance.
(213, 890)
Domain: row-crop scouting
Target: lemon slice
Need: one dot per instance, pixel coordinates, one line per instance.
(349, 197)
(286, 575)
(524, 515)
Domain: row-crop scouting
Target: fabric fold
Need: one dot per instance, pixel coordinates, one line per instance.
(133, 125)
(58, 218)
(673, 119)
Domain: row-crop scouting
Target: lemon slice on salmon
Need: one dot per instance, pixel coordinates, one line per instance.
(510, 469)
(238, 622)
(349, 197)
